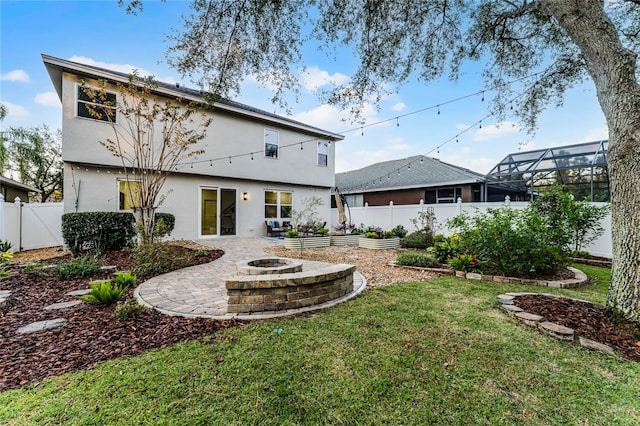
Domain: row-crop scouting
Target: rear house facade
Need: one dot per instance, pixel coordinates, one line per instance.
(256, 166)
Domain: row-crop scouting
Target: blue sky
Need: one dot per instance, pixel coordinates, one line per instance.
(101, 33)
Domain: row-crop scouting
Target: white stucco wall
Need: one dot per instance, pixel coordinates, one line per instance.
(228, 135)
(96, 189)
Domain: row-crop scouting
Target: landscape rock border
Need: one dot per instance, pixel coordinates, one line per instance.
(580, 278)
(554, 330)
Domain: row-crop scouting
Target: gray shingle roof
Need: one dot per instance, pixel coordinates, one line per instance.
(396, 174)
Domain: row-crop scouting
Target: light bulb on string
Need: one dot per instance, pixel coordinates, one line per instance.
(409, 166)
(210, 163)
(456, 138)
(421, 160)
(229, 160)
(482, 100)
(361, 131)
(438, 151)
(438, 109)
(192, 165)
(252, 156)
(480, 124)
(301, 148)
(397, 122)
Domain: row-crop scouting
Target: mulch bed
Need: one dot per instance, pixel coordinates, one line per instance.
(92, 334)
(586, 319)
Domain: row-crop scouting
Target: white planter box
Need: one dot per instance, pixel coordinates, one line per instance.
(378, 244)
(296, 243)
(346, 240)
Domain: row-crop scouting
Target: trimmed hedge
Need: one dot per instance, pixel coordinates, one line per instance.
(102, 231)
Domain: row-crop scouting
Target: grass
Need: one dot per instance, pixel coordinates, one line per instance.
(437, 352)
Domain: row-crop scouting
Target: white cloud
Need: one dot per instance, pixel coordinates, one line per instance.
(16, 112)
(123, 68)
(330, 118)
(16, 75)
(49, 99)
(595, 134)
(495, 131)
(359, 158)
(398, 106)
(313, 78)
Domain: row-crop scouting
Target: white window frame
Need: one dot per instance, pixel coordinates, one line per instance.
(269, 132)
(324, 144)
(78, 101)
(278, 206)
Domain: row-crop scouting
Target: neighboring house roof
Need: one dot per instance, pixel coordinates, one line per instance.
(395, 174)
(55, 67)
(5, 181)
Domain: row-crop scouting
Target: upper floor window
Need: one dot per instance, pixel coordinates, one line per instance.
(323, 153)
(271, 143)
(96, 104)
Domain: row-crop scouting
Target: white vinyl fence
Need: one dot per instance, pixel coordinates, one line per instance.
(388, 217)
(31, 225)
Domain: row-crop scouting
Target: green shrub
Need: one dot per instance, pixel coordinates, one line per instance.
(511, 242)
(80, 267)
(159, 258)
(97, 231)
(291, 234)
(389, 234)
(412, 258)
(399, 231)
(125, 279)
(371, 235)
(102, 231)
(418, 239)
(447, 248)
(128, 309)
(464, 262)
(104, 293)
(5, 246)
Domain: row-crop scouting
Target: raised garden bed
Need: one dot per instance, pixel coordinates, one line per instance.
(379, 244)
(300, 243)
(346, 240)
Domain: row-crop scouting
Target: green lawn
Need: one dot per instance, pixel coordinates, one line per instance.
(437, 352)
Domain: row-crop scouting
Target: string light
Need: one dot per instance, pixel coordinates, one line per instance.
(421, 160)
(210, 163)
(397, 118)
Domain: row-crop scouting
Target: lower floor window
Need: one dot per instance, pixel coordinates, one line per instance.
(128, 194)
(278, 205)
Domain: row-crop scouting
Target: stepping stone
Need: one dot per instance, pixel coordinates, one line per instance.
(596, 346)
(5, 300)
(63, 305)
(555, 330)
(531, 320)
(42, 325)
(108, 268)
(78, 292)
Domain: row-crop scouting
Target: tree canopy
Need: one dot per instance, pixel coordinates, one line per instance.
(561, 41)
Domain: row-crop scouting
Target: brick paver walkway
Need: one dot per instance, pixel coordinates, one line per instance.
(199, 291)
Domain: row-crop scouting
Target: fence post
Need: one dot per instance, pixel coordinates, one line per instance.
(1, 217)
(459, 204)
(421, 205)
(366, 216)
(507, 201)
(390, 214)
(18, 204)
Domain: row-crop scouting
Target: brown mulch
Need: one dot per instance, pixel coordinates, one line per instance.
(92, 334)
(586, 319)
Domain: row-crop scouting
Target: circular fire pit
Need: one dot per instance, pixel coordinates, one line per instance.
(269, 266)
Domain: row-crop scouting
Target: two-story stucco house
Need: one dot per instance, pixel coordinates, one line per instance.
(273, 164)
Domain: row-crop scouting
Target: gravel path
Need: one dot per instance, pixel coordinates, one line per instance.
(373, 264)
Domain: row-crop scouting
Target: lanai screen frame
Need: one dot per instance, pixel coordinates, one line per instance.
(529, 170)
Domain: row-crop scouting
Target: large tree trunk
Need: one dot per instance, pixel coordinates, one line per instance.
(613, 69)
